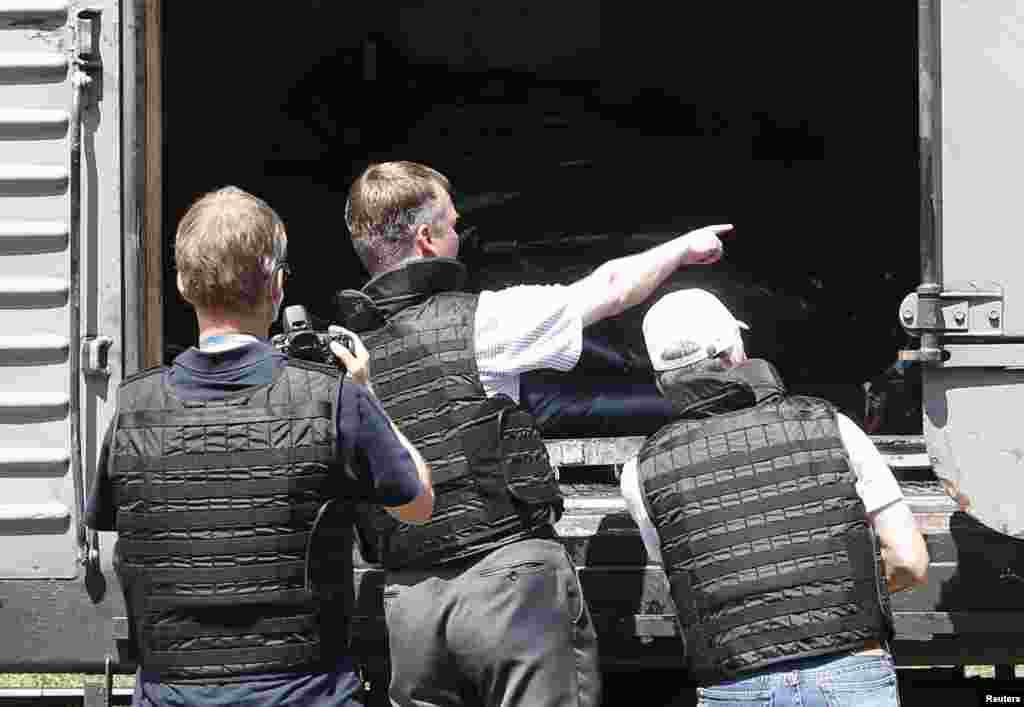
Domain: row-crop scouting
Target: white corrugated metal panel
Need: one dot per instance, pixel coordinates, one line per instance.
(20, 8)
(29, 62)
(38, 515)
(41, 342)
(33, 229)
(33, 461)
(34, 519)
(33, 173)
(32, 237)
(30, 117)
(34, 401)
(38, 511)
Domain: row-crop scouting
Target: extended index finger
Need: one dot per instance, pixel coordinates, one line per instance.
(722, 230)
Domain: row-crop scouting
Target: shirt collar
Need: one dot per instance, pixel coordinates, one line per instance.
(225, 342)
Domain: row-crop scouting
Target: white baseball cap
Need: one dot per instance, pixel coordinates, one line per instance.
(688, 326)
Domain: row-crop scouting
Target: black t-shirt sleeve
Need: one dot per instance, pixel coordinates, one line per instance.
(100, 513)
(382, 467)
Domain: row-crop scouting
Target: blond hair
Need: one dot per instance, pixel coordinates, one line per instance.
(385, 205)
(226, 249)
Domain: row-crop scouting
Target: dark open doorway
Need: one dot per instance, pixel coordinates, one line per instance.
(553, 123)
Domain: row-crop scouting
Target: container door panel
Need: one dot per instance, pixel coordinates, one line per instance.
(972, 401)
(51, 410)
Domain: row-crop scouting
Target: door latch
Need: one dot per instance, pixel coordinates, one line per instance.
(95, 359)
(959, 311)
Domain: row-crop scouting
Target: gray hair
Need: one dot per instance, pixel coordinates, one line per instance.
(392, 242)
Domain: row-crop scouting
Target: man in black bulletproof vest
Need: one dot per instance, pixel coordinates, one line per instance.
(231, 478)
(780, 527)
(483, 604)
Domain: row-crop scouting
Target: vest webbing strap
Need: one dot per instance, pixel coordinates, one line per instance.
(695, 602)
(682, 551)
(802, 473)
(294, 515)
(413, 346)
(440, 395)
(294, 570)
(239, 414)
(778, 636)
(242, 459)
(738, 511)
(807, 553)
(439, 425)
(222, 488)
(193, 629)
(741, 459)
(283, 543)
(396, 381)
(749, 615)
(289, 655)
(728, 424)
(293, 597)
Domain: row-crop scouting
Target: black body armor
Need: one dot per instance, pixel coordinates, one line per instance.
(766, 544)
(233, 556)
(493, 481)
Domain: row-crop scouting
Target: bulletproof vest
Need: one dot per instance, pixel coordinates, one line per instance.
(766, 544)
(493, 482)
(233, 556)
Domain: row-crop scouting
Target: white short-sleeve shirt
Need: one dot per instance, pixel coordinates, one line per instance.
(876, 485)
(524, 328)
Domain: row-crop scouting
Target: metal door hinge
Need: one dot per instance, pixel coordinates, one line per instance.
(961, 310)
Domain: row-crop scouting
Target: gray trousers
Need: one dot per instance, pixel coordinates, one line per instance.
(507, 630)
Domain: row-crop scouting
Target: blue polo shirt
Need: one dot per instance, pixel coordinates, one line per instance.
(382, 472)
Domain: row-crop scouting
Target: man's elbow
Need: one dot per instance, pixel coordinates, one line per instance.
(919, 566)
(417, 511)
(912, 564)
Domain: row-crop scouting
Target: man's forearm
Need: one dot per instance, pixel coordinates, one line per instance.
(634, 278)
(626, 282)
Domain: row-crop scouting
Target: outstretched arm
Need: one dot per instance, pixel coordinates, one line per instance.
(625, 282)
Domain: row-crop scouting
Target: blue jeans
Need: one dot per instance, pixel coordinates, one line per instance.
(828, 681)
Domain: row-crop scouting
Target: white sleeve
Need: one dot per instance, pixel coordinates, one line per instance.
(629, 483)
(876, 485)
(525, 328)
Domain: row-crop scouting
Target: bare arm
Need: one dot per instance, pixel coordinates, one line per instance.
(625, 282)
(904, 554)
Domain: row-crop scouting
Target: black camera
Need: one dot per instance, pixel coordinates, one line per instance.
(300, 340)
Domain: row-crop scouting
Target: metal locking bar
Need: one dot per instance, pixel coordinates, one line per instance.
(86, 63)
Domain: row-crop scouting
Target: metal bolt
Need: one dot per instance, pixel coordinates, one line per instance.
(908, 315)
(959, 317)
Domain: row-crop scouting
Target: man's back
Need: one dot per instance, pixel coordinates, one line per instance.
(764, 538)
(254, 609)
